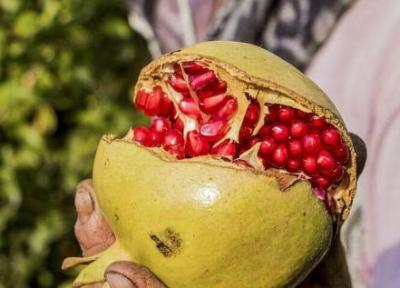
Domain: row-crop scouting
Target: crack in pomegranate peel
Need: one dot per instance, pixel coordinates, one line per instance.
(196, 112)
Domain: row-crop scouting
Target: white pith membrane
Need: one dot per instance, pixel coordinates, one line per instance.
(196, 112)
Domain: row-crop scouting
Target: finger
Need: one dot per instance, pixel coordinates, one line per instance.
(119, 280)
(91, 230)
(361, 151)
(84, 202)
(131, 275)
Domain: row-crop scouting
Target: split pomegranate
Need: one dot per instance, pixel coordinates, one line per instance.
(290, 139)
(245, 159)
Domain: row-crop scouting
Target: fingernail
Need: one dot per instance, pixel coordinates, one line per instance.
(84, 204)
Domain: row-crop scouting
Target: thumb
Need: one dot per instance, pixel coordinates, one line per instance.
(125, 274)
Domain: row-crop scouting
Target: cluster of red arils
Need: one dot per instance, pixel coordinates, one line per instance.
(196, 123)
(204, 101)
(298, 142)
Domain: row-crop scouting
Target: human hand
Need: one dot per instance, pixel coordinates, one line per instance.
(94, 235)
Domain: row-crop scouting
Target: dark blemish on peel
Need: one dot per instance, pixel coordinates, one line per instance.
(174, 237)
(161, 246)
(168, 242)
(116, 217)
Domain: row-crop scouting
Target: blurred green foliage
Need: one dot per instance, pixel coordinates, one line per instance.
(66, 71)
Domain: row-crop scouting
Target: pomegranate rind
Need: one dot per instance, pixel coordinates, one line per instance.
(221, 225)
(259, 66)
(94, 272)
(272, 79)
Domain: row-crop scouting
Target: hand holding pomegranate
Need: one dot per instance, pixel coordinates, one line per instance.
(242, 179)
(94, 235)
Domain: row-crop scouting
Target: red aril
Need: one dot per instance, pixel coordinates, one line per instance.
(196, 144)
(311, 144)
(154, 139)
(265, 131)
(331, 137)
(301, 114)
(160, 125)
(320, 193)
(272, 115)
(178, 124)
(228, 109)
(325, 160)
(166, 107)
(245, 133)
(252, 114)
(141, 134)
(227, 148)
(298, 129)
(178, 84)
(293, 165)
(200, 81)
(211, 104)
(190, 108)
(280, 132)
(295, 149)
(141, 99)
(219, 87)
(280, 156)
(192, 67)
(216, 88)
(252, 141)
(341, 153)
(316, 122)
(286, 114)
(321, 182)
(172, 138)
(310, 166)
(153, 102)
(214, 130)
(173, 142)
(178, 70)
(336, 174)
(267, 146)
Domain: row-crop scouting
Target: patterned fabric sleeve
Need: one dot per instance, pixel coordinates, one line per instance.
(360, 68)
(297, 28)
(292, 29)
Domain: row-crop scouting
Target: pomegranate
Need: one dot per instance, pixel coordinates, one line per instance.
(239, 180)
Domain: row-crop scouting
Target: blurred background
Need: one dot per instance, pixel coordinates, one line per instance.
(67, 69)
